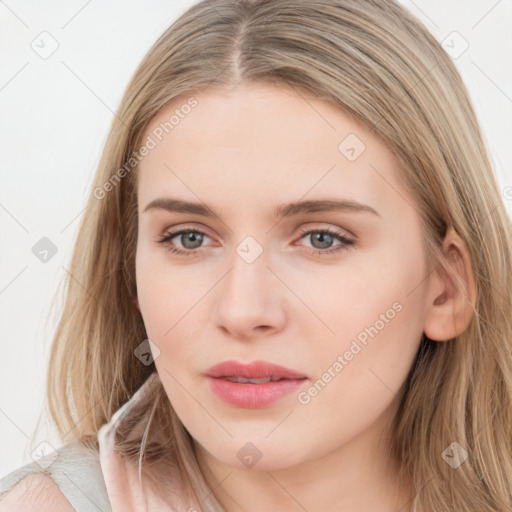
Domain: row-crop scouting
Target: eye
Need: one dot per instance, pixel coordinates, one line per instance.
(322, 240)
(191, 240)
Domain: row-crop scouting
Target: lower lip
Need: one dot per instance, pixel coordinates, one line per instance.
(253, 396)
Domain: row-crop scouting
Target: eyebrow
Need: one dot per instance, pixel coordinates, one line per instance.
(281, 211)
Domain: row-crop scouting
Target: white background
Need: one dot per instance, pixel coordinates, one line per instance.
(55, 114)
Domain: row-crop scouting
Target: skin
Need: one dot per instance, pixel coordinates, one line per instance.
(242, 153)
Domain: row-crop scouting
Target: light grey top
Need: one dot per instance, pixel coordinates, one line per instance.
(94, 477)
(76, 471)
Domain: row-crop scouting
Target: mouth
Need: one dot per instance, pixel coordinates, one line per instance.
(255, 385)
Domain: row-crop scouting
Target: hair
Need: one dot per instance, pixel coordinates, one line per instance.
(379, 65)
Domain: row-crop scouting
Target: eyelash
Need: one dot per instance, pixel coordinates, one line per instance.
(346, 243)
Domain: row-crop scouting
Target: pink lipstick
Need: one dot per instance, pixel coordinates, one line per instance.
(253, 385)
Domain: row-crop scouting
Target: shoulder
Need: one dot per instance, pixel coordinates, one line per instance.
(35, 492)
(68, 479)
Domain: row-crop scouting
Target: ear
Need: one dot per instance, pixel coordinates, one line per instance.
(135, 301)
(450, 305)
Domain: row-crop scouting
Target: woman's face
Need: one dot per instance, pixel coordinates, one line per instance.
(263, 281)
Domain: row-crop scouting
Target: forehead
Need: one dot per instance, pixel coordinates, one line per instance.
(266, 143)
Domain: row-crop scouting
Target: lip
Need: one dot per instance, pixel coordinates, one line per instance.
(254, 370)
(250, 395)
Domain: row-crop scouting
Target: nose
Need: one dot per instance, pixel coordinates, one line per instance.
(250, 301)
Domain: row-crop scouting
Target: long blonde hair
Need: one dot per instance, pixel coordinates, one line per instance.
(377, 63)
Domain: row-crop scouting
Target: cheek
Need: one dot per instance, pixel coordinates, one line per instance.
(158, 300)
(171, 306)
(161, 289)
(365, 290)
(377, 315)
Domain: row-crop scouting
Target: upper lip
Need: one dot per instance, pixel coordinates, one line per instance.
(254, 370)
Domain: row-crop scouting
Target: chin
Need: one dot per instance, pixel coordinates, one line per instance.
(256, 456)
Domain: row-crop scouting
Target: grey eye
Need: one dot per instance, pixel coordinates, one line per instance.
(321, 240)
(191, 240)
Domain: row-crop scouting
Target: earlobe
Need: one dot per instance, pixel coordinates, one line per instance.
(452, 293)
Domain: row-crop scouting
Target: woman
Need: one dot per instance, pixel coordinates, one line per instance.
(291, 285)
